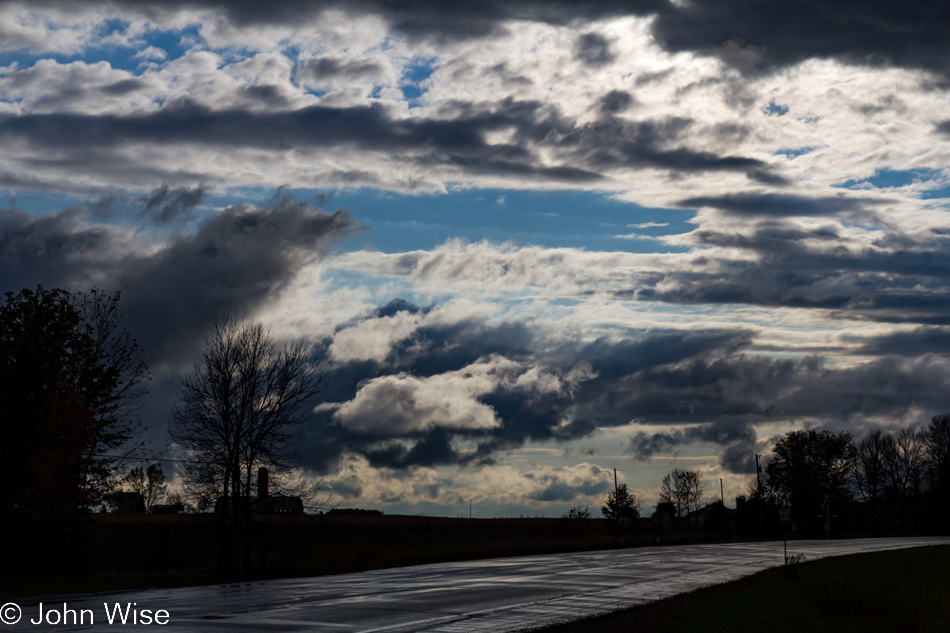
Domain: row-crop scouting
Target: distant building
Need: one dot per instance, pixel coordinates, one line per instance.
(126, 502)
(665, 511)
(265, 503)
(168, 508)
(698, 517)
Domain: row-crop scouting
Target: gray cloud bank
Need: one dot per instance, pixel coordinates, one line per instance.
(233, 262)
(455, 139)
(750, 35)
(708, 383)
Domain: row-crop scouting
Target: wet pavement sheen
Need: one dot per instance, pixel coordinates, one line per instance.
(497, 595)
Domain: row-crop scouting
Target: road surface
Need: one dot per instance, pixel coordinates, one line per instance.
(507, 594)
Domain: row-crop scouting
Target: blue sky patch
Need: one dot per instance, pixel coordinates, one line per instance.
(413, 77)
(175, 43)
(791, 153)
(577, 219)
(775, 109)
(400, 222)
(890, 178)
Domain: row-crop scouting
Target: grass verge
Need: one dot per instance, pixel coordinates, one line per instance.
(905, 591)
(145, 551)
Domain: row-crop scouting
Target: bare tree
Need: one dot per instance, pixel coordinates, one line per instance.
(937, 441)
(685, 489)
(243, 408)
(870, 467)
(904, 461)
(695, 486)
(148, 482)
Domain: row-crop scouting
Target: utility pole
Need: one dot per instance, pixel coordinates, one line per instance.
(470, 508)
(722, 495)
(826, 506)
(758, 480)
(616, 507)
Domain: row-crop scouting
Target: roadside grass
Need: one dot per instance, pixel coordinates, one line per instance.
(904, 591)
(127, 552)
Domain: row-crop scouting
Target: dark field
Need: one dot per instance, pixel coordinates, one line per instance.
(140, 551)
(904, 591)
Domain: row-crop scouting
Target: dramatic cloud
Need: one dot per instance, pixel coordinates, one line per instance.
(676, 228)
(172, 290)
(435, 410)
(755, 37)
(772, 204)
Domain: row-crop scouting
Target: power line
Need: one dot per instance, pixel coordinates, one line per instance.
(153, 459)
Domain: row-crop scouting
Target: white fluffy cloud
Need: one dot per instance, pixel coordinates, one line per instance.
(402, 403)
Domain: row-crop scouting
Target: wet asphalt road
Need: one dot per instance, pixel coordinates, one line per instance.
(510, 594)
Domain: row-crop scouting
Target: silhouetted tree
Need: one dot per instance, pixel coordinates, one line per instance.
(870, 466)
(243, 408)
(871, 474)
(69, 380)
(807, 465)
(904, 470)
(577, 512)
(937, 442)
(621, 504)
(685, 489)
(148, 482)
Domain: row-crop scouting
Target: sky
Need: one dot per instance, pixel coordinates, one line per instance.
(529, 242)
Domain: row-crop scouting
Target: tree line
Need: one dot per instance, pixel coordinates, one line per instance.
(71, 379)
(682, 492)
(887, 481)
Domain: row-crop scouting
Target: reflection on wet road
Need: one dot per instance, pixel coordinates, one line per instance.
(494, 595)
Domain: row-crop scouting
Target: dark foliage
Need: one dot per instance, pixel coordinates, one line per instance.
(808, 465)
(621, 504)
(69, 381)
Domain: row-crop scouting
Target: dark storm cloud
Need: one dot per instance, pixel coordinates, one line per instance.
(457, 138)
(896, 276)
(433, 141)
(434, 350)
(166, 204)
(555, 488)
(613, 142)
(328, 68)
(705, 382)
(758, 36)
(778, 205)
(855, 290)
(593, 49)
(418, 19)
(758, 389)
(49, 249)
(737, 437)
(616, 101)
(230, 264)
(923, 340)
(750, 35)
(123, 87)
(432, 449)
